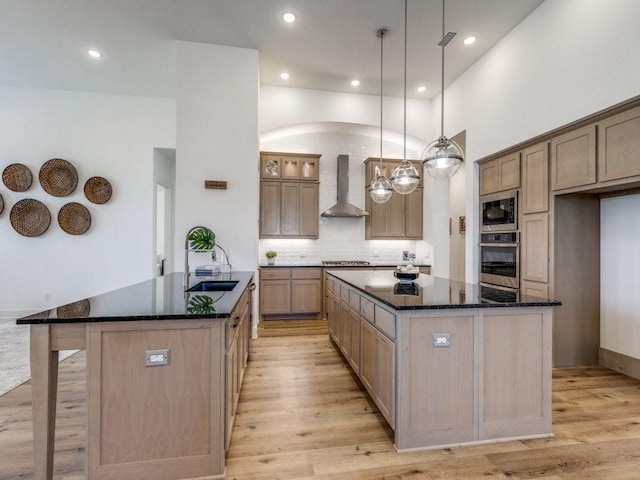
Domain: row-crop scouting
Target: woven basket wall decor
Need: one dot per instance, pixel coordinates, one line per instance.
(17, 177)
(78, 309)
(98, 190)
(58, 177)
(1, 204)
(74, 218)
(30, 217)
(38, 316)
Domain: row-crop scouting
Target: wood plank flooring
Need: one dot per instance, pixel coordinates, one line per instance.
(302, 415)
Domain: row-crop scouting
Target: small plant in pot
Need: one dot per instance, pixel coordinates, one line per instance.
(271, 256)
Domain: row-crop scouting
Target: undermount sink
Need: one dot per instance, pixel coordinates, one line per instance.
(214, 286)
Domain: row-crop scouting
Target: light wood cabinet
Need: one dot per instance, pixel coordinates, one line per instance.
(573, 158)
(368, 335)
(534, 253)
(290, 292)
(401, 216)
(500, 174)
(619, 146)
(289, 195)
(535, 179)
(534, 289)
(385, 377)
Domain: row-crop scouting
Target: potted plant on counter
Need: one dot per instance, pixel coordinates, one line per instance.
(271, 256)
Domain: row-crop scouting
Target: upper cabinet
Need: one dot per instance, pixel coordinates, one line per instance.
(401, 216)
(619, 146)
(289, 195)
(289, 166)
(535, 179)
(573, 158)
(500, 174)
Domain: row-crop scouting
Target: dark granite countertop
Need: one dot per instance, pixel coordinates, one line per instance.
(160, 298)
(321, 265)
(429, 292)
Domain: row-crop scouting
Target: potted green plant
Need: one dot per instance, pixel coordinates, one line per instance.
(271, 256)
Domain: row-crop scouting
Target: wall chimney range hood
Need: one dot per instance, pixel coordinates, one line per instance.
(343, 208)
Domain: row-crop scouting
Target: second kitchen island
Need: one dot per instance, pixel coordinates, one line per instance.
(445, 365)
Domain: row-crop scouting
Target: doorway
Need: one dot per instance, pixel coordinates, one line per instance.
(164, 180)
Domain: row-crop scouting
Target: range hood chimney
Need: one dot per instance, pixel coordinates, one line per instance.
(343, 208)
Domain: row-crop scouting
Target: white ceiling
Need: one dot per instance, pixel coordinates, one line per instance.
(43, 43)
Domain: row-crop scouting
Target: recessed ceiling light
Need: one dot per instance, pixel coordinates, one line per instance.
(355, 83)
(284, 75)
(289, 17)
(469, 40)
(422, 89)
(94, 53)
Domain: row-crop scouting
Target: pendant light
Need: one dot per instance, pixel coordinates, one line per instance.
(442, 157)
(405, 178)
(380, 189)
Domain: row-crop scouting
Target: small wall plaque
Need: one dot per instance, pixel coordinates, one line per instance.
(215, 184)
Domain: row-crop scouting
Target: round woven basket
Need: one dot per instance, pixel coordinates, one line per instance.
(58, 177)
(30, 217)
(78, 309)
(98, 190)
(17, 177)
(38, 316)
(1, 204)
(74, 218)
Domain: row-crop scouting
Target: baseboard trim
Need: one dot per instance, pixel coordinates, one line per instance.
(620, 362)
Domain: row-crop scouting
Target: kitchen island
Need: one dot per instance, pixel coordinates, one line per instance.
(447, 363)
(164, 370)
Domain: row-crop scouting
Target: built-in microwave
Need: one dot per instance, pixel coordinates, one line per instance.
(499, 212)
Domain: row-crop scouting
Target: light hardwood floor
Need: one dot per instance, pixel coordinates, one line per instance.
(302, 415)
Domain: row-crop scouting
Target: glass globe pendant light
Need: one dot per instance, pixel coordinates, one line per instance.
(405, 178)
(443, 157)
(380, 189)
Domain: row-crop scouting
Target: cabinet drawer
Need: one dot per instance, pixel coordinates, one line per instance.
(275, 274)
(354, 300)
(385, 321)
(367, 310)
(306, 273)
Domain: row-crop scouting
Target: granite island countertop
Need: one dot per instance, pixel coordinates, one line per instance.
(429, 292)
(160, 298)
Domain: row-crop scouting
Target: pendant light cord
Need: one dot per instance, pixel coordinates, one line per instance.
(381, 33)
(442, 78)
(404, 157)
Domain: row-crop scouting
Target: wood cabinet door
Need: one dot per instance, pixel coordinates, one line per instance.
(489, 177)
(367, 355)
(509, 172)
(413, 214)
(534, 289)
(395, 216)
(309, 220)
(306, 296)
(270, 197)
(385, 378)
(619, 146)
(333, 317)
(231, 379)
(270, 166)
(354, 351)
(534, 251)
(376, 223)
(535, 188)
(345, 330)
(275, 297)
(290, 216)
(573, 158)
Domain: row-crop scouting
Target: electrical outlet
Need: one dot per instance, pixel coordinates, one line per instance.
(153, 358)
(441, 340)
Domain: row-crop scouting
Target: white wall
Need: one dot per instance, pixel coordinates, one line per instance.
(287, 114)
(341, 238)
(566, 60)
(107, 135)
(217, 139)
(619, 279)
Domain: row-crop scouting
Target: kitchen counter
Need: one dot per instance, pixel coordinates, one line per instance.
(160, 298)
(429, 292)
(164, 372)
(349, 266)
(445, 366)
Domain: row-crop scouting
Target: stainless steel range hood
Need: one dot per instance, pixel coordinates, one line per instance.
(343, 208)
